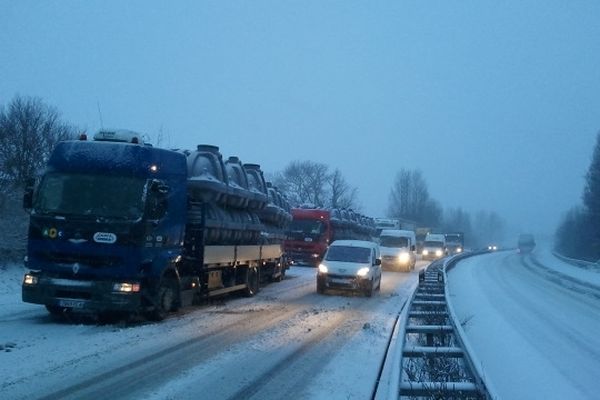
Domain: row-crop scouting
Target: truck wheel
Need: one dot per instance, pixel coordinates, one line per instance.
(165, 301)
(281, 275)
(369, 289)
(252, 282)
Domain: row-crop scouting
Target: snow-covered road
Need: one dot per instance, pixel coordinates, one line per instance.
(533, 323)
(287, 341)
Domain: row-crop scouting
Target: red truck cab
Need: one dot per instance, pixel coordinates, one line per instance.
(309, 235)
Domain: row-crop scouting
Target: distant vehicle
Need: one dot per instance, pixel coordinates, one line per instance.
(492, 247)
(393, 223)
(398, 249)
(455, 242)
(434, 246)
(526, 243)
(350, 264)
(386, 223)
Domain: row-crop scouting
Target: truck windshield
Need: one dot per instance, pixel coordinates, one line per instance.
(88, 194)
(307, 226)
(393, 241)
(348, 254)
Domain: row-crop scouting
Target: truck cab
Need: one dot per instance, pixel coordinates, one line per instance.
(107, 220)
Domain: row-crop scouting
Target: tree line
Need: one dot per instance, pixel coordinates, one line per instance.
(578, 234)
(30, 128)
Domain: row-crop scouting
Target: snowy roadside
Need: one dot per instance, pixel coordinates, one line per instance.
(533, 340)
(545, 256)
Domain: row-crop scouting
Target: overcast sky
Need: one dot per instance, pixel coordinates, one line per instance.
(498, 103)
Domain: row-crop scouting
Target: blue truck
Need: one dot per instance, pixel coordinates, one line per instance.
(117, 225)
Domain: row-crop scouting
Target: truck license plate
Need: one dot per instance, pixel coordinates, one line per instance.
(71, 303)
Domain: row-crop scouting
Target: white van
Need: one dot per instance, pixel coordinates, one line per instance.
(434, 246)
(350, 264)
(398, 249)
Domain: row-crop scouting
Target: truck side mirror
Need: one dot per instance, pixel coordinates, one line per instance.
(159, 187)
(28, 195)
(377, 261)
(413, 247)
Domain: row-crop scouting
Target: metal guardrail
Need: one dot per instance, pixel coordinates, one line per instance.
(430, 357)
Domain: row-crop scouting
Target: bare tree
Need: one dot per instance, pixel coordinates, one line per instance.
(342, 194)
(457, 220)
(488, 227)
(409, 199)
(29, 130)
(309, 182)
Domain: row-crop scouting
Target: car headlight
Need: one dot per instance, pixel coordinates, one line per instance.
(439, 253)
(425, 252)
(403, 257)
(323, 268)
(363, 271)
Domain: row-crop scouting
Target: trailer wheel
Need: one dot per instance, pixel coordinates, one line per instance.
(165, 300)
(281, 275)
(252, 281)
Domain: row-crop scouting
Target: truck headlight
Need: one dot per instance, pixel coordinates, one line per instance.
(30, 279)
(425, 252)
(439, 253)
(126, 287)
(403, 257)
(362, 272)
(323, 268)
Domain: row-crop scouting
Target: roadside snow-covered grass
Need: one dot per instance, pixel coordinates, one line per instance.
(533, 338)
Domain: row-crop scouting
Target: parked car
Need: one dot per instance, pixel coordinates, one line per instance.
(350, 264)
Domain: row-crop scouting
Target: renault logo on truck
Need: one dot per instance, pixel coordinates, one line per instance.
(105, 237)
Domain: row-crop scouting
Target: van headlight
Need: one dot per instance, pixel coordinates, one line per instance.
(362, 272)
(323, 268)
(403, 257)
(439, 253)
(425, 252)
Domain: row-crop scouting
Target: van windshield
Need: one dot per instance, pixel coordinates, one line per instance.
(431, 243)
(393, 241)
(348, 254)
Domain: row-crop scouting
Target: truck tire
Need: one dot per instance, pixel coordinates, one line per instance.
(165, 300)
(252, 282)
(369, 289)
